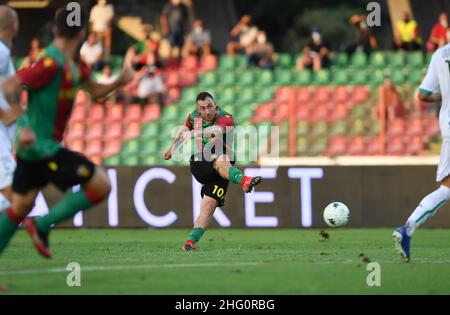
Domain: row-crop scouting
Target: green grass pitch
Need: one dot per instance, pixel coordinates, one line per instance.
(228, 261)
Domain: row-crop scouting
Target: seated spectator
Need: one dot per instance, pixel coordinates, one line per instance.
(100, 19)
(91, 53)
(151, 88)
(364, 40)
(315, 56)
(438, 36)
(106, 77)
(407, 34)
(144, 52)
(199, 40)
(174, 25)
(36, 52)
(260, 54)
(244, 34)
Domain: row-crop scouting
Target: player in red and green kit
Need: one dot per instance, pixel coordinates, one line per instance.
(212, 165)
(52, 84)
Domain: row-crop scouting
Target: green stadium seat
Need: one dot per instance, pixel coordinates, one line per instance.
(284, 61)
(265, 77)
(415, 76)
(283, 77)
(189, 95)
(130, 147)
(150, 130)
(302, 128)
(398, 76)
(227, 78)
(245, 96)
(302, 77)
(359, 60)
(340, 60)
(319, 129)
(397, 59)
(227, 62)
(317, 146)
(208, 79)
(112, 161)
(241, 61)
(359, 111)
(263, 94)
(340, 76)
(373, 128)
(415, 59)
(148, 160)
(338, 128)
(357, 127)
(377, 77)
(227, 95)
(359, 76)
(246, 77)
(322, 77)
(302, 146)
(129, 160)
(378, 60)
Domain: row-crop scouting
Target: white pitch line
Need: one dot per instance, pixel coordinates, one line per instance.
(128, 267)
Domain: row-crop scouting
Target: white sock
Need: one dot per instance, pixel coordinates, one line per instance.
(427, 208)
(4, 203)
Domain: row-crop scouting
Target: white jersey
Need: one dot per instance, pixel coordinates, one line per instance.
(438, 78)
(6, 69)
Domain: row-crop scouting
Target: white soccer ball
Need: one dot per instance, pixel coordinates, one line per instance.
(336, 214)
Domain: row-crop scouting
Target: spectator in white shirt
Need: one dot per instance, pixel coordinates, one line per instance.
(101, 18)
(91, 52)
(151, 88)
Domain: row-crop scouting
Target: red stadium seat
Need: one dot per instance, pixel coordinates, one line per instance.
(263, 113)
(395, 146)
(93, 148)
(94, 131)
(151, 113)
(321, 95)
(81, 98)
(414, 145)
(95, 113)
(111, 147)
(189, 63)
(340, 94)
(132, 130)
(75, 145)
(340, 111)
(359, 94)
(114, 113)
(303, 112)
(415, 127)
(188, 78)
(281, 113)
(172, 79)
(78, 114)
(208, 63)
(75, 131)
(336, 146)
(113, 131)
(282, 94)
(356, 146)
(303, 94)
(133, 113)
(318, 112)
(172, 95)
(373, 146)
(396, 127)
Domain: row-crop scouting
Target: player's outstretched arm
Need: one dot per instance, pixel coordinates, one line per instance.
(183, 134)
(97, 90)
(11, 90)
(430, 98)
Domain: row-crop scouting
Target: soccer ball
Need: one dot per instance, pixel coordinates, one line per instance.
(336, 214)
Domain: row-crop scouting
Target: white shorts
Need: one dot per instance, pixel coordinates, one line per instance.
(7, 167)
(444, 162)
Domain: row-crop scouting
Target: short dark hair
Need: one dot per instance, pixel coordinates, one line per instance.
(63, 29)
(203, 95)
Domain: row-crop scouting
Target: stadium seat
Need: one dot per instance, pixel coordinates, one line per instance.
(172, 78)
(395, 145)
(113, 131)
(397, 59)
(78, 114)
(188, 78)
(283, 94)
(415, 59)
(227, 78)
(359, 94)
(114, 113)
(95, 113)
(302, 77)
(396, 127)
(129, 160)
(338, 128)
(317, 146)
(359, 60)
(245, 96)
(359, 76)
(81, 98)
(111, 147)
(132, 130)
(321, 95)
(340, 76)
(304, 95)
(339, 111)
(318, 112)
(303, 128)
(75, 145)
(398, 76)
(283, 77)
(76, 131)
(377, 77)
(208, 79)
(341, 60)
(284, 61)
(93, 148)
(415, 127)
(172, 95)
(357, 127)
(281, 113)
(336, 146)
(151, 113)
(356, 146)
(246, 78)
(227, 62)
(415, 76)
(189, 63)
(208, 63)
(320, 128)
(94, 131)
(373, 146)
(303, 112)
(414, 145)
(377, 60)
(133, 113)
(266, 77)
(302, 146)
(340, 94)
(321, 77)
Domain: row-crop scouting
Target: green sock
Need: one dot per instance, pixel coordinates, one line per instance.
(235, 175)
(65, 209)
(196, 234)
(7, 230)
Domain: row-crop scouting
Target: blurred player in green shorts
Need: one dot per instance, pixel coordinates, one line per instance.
(52, 84)
(212, 165)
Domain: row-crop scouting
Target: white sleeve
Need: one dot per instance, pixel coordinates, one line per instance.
(431, 81)
(4, 63)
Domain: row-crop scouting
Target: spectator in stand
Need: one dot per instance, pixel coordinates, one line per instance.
(438, 36)
(144, 52)
(36, 51)
(244, 35)
(174, 25)
(407, 34)
(198, 41)
(106, 77)
(101, 18)
(394, 105)
(364, 40)
(260, 54)
(151, 88)
(91, 52)
(315, 56)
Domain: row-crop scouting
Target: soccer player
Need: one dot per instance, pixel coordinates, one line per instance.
(52, 84)
(436, 79)
(9, 26)
(212, 165)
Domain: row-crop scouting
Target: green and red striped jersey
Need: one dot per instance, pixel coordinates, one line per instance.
(52, 84)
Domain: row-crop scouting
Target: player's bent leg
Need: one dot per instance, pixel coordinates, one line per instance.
(207, 208)
(223, 166)
(21, 205)
(5, 198)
